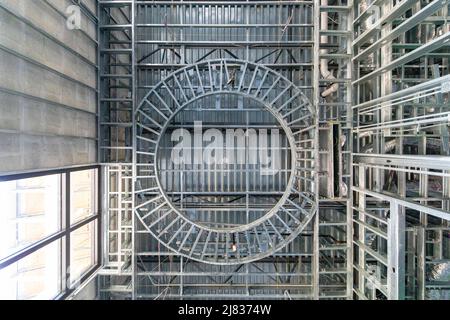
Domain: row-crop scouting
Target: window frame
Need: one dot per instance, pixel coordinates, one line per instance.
(64, 235)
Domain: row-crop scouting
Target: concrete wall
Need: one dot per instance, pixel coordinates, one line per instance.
(48, 80)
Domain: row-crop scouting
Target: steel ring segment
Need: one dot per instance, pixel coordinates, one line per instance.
(245, 243)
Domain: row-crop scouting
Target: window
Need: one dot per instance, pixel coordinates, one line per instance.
(31, 210)
(82, 251)
(36, 276)
(48, 233)
(82, 194)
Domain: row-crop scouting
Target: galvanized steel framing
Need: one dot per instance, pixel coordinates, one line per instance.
(364, 241)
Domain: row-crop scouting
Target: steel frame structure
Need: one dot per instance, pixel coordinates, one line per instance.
(381, 227)
(169, 224)
(401, 136)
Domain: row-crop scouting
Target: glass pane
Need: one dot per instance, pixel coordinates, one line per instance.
(36, 276)
(82, 194)
(82, 251)
(31, 210)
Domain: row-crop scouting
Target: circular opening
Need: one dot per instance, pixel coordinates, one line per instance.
(224, 161)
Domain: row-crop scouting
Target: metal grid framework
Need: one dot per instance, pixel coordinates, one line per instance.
(375, 73)
(254, 233)
(401, 209)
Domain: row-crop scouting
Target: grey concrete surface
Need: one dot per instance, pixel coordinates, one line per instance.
(47, 87)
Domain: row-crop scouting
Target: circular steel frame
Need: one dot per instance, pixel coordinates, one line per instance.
(245, 243)
(276, 208)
